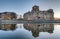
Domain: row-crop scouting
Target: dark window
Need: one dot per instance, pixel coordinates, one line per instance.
(38, 17)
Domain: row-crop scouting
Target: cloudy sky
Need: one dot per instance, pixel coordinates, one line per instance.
(22, 6)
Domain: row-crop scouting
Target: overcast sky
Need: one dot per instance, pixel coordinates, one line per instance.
(22, 6)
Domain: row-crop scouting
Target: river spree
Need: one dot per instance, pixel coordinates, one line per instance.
(30, 31)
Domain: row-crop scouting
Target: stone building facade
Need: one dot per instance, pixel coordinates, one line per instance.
(36, 14)
(8, 15)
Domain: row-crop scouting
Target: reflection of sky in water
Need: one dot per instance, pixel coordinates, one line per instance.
(22, 33)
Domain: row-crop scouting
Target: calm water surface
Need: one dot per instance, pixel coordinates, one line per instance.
(30, 31)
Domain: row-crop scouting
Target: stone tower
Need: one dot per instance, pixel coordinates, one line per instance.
(35, 8)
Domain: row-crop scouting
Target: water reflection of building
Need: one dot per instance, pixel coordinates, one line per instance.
(8, 15)
(36, 14)
(36, 28)
(8, 26)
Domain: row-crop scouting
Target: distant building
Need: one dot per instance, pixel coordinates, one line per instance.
(8, 15)
(36, 14)
(20, 17)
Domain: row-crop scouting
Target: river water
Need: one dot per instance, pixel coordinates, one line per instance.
(30, 31)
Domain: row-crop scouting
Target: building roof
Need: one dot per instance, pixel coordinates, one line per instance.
(8, 13)
(50, 10)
